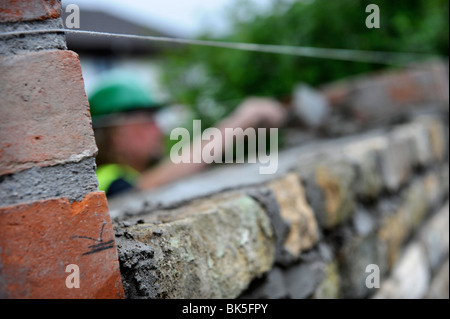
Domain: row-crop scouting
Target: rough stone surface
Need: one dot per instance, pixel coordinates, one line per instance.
(329, 287)
(48, 124)
(424, 257)
(303, 232)
(410, 277)
(353, 258)
(433, 190)
(422, 153)
(363, 155)
(395, 163)
(360, 247)
(435, 238)
(39, 240)
(303, 279)
(271, 286)
(72, 181)
(438, 139)
(445, 179)
(439, 288)
(391, 235)
(329, 189)
(209, 250)
(26, 10)
(403, 218)
(363, 222)
(364, 216)
(415, 205)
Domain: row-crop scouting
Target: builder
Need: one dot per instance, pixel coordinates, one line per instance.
(131, 145)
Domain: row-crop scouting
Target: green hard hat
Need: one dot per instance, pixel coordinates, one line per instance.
(118, 92)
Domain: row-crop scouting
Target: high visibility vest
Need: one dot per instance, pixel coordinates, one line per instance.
(108, 173)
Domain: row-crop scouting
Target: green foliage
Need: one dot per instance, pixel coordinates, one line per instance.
(213, 81)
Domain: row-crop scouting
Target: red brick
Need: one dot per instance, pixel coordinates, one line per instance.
(39, 240)
(27, 10)
(44, 115)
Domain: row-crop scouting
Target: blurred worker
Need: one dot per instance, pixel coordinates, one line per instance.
(131, 145)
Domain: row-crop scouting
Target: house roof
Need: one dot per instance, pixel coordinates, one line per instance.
(104, 22)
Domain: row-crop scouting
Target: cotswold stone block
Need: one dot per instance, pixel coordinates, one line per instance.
(412, 137)
(302, 280)
(209, 249)
(38, 241)
(444, 179)
(44, 118)
(397, 225)
(303, 233)
(359, 249)
(438, 139)
(363, 155)
(329, 187)
(272, 286)
(421, 147)
(353, 260)
(433, 190)
(415, 205)
(391, 235)
(395, 162)
(410, 277)
(329, 286)
(435, 238)
(439, 286)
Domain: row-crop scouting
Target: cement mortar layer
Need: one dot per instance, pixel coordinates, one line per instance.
(72, 180)
(32, 42)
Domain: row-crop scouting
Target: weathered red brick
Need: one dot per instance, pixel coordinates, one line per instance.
(44, 113)
(27, 10)
(39, 240)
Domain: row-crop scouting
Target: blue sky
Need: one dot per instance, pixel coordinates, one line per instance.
(182, 17)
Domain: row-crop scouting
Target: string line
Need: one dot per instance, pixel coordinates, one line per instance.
(380, 57)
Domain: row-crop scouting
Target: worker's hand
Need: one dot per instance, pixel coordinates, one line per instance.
(252, 112)
(257, 112)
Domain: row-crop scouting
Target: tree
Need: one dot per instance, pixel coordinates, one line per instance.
(212, 81)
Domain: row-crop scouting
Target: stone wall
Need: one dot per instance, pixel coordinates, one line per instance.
(311, 231)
